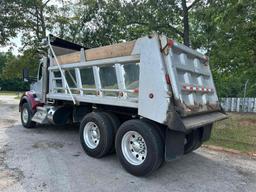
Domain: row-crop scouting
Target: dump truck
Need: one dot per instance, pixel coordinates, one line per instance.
(149, 100)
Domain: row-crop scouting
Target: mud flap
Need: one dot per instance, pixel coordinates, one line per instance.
(206, 133)
(175, 137)
(174, 144)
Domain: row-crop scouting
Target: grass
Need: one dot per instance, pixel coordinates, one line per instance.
(12, 93)
(8, 92)
(237, 132)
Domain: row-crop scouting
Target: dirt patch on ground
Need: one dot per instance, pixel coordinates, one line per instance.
(7, 123)
(8, 176)
(47, 144)
(247, 122)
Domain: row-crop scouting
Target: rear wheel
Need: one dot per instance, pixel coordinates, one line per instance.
(193, 141)
(96, 134)
(26, 116)
(139, 147)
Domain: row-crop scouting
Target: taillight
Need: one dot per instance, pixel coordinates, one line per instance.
(167, 78)
(136, 90)
(170, 43)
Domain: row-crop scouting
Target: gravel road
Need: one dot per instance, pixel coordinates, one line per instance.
(51, 159)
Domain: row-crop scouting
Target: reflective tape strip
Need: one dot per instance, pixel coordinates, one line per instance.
(196, 88)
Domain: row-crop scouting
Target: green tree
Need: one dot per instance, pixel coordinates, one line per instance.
(227, 32)
(4, 59)
(95, 23)
(9, 20)
(7, 82)
(29, 17)
(14, 65)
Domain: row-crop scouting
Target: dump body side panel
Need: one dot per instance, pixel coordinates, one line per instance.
(150, 94)
(154, 97)
(109, 81)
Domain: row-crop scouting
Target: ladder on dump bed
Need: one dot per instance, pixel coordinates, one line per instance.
(62, 77)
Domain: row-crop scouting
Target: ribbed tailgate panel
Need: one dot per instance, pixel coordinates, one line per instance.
(191, 80)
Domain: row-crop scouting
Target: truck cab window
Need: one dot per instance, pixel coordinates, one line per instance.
(40, 71)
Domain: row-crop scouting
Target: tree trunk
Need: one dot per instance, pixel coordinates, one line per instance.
(42, 23)
(186, 40)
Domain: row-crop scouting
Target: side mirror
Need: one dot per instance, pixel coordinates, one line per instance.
(25, 74)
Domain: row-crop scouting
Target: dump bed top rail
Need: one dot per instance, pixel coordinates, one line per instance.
(110, 51)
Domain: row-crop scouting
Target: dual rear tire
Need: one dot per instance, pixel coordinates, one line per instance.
(138, 144)
(139, 147)
(97, 134)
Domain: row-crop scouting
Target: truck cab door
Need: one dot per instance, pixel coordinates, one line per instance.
(37, 87)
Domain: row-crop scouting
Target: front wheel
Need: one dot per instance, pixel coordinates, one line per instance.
(26, 116)
(139, 147)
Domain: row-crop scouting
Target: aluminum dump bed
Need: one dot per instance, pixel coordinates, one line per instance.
(154, 74)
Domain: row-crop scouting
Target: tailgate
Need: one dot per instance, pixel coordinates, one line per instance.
(191, 79)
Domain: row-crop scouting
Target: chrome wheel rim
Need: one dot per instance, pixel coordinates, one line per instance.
(134, 148)
(25, 115)
(91, 135)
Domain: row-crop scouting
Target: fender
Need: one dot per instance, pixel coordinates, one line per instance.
(30, 98)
